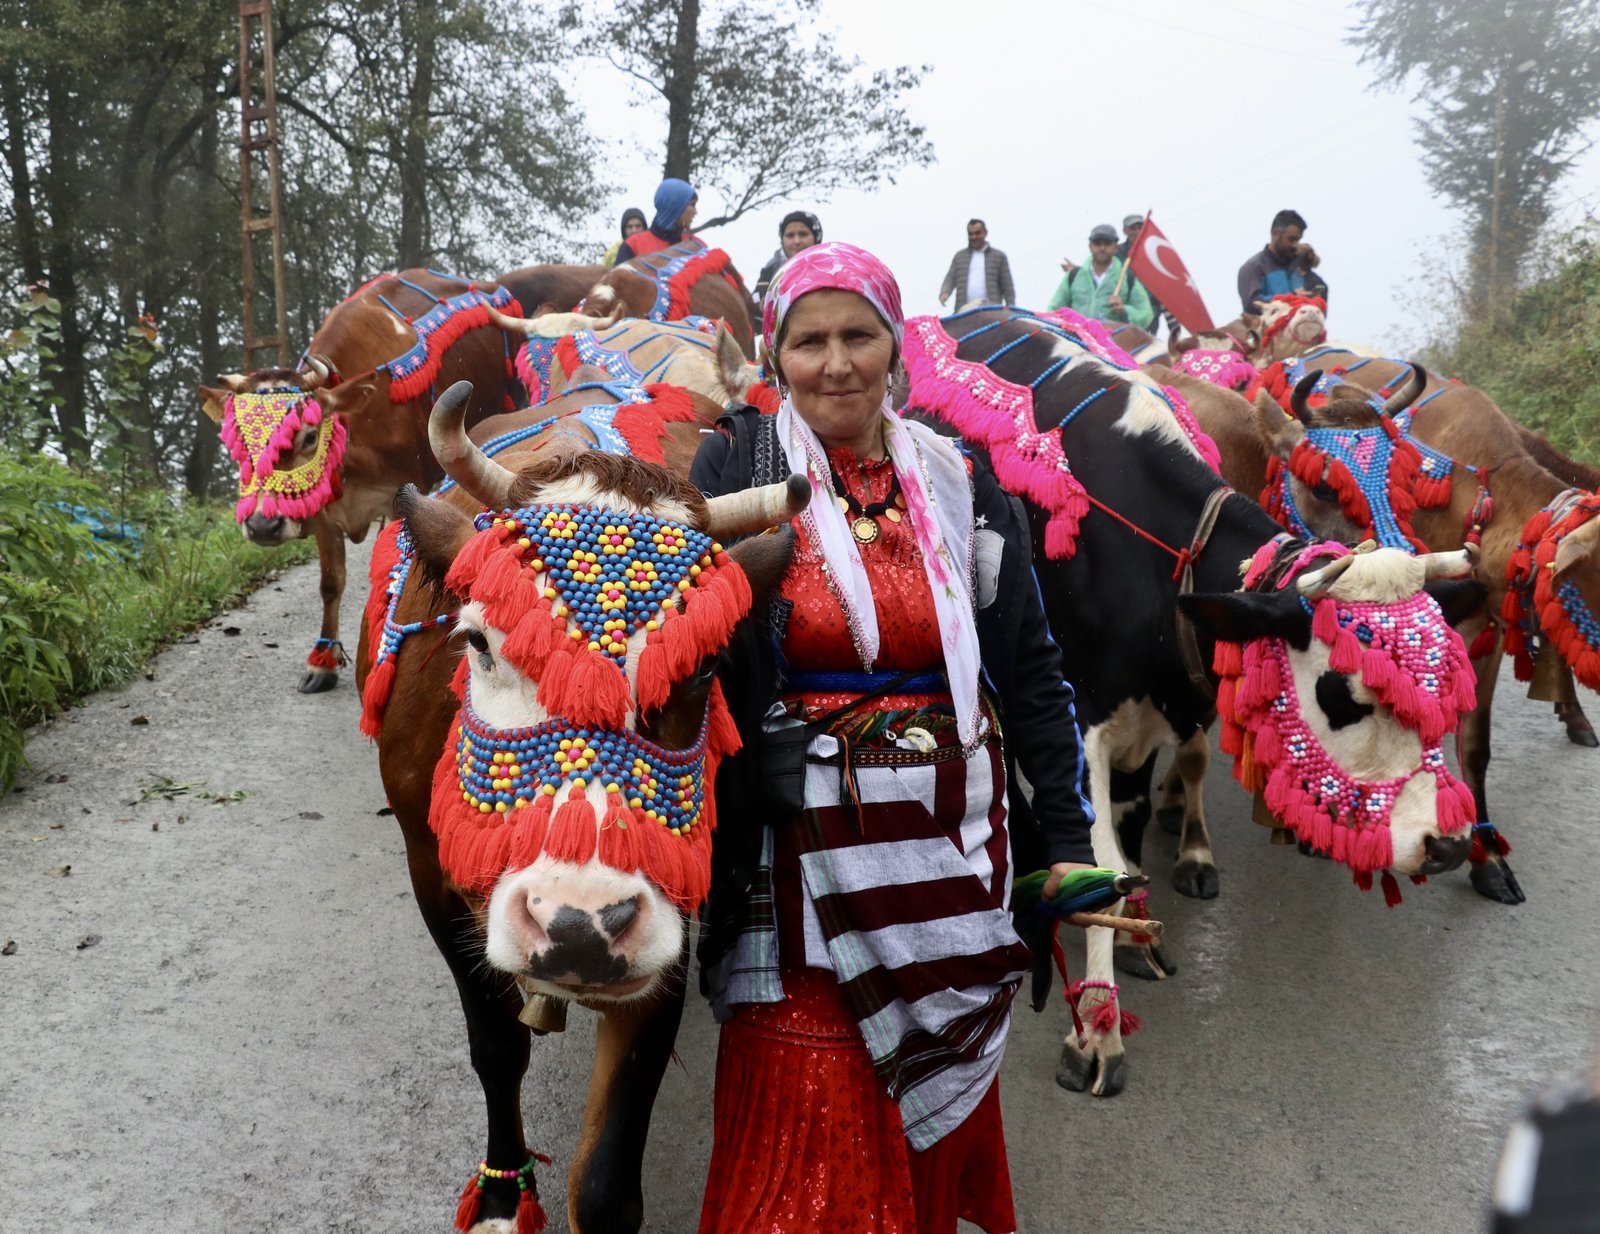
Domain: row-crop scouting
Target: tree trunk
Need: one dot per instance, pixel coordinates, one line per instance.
(71, 415)
(29, 255)
(680, 92)
(416, 242)
(202, 459)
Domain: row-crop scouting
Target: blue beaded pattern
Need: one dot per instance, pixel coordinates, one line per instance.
(393, 632)
(505, 769)
(1578, 613)
(430, 321)
(613, 571)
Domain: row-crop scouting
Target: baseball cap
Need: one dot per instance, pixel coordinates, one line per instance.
(1131, 220)
(1103, 231)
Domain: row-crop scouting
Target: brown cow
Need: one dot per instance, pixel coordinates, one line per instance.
(687, 279)
(349, 427)
(567, 890)
(551, 288)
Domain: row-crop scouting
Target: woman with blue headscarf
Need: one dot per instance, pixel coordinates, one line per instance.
(675, 206)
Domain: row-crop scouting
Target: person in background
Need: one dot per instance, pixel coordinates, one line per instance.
(632, 225)
(800, 229)
(1272, 271)
(857, 1093)
(675, 208)
(1131, 224)
(1091, 290)
(979, 273)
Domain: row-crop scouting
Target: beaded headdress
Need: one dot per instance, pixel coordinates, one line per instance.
(570, 586)
(1411, 660)
(1533, 593)
(259, 428)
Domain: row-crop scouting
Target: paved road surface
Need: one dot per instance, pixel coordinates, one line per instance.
(229, 1016)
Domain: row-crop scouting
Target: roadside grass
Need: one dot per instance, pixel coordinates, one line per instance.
(91, 586)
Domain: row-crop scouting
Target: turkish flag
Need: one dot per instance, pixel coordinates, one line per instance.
(1159, 267)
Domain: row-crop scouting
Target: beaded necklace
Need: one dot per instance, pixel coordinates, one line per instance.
(1412, 661)
(259, 428)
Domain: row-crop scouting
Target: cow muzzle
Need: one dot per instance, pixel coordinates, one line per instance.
(269, 532)
(582, 931)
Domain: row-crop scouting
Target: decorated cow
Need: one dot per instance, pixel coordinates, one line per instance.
(323, 449)
(1137, 545)
(541, 671)
(684, 280)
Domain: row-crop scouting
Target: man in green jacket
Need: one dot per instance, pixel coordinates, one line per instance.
(1091, 290)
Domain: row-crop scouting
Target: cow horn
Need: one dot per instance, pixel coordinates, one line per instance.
(1318, 583)
(1457, 564)
(756, 509)
(1302, 391)
(523, 325)
(462, 461)
(320, 373)
(1402, 398)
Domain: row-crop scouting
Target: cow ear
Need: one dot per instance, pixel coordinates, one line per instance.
(764, 560)
(733, 370)
(353, 396)
(1280, 432)
(1458, 598)
(214, 402)
(438, 529)
(1577, 546)
(1243, 616)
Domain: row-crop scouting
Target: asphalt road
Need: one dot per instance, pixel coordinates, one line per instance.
(227, 1015)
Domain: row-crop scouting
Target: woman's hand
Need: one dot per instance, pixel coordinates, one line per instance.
(1059, 871)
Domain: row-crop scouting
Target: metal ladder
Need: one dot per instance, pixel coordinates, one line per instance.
(258, 154)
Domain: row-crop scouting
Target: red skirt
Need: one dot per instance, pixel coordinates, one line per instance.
(806, 1140)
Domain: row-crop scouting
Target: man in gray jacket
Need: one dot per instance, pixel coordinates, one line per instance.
(979, 273)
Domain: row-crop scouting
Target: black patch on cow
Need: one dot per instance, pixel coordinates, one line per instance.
(1337, 703)
(1458, 598)
(1241, 616)
(578, 952)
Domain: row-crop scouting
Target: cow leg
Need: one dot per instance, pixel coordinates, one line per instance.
(327, 654)
(1138, 955)
(1195, 875)
(1570, 711)
(1099, 1064)
(1170, 813)
(1491, 876)
(497, 1040)
(632, 1046)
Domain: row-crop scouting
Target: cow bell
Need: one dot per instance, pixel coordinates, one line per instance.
(1549, 683)
(543, 1013)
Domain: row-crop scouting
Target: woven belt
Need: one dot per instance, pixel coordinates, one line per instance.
(896, 757)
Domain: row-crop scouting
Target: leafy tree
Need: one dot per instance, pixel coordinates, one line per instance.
(759, 104)
(1510, 87)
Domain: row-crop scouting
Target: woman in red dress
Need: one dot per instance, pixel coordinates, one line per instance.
(860, 955)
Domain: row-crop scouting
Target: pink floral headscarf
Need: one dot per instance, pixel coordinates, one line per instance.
(833, 266)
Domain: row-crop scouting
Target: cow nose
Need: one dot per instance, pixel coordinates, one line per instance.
(260, 528)
(1445, 853)
(616, 918)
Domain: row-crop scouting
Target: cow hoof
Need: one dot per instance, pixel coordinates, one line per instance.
(1493, 880)
(318, 681)
(1171, 819)
(1086, 1070)
(1196, 879)
(1582, 736)
(1143, 960)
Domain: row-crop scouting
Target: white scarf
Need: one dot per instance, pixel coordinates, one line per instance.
(933, 479)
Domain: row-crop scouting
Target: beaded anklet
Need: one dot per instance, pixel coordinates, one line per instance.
(530, 1216)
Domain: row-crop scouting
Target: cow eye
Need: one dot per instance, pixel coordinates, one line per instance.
(308, 439)
(1324, 492)
(1337, 703)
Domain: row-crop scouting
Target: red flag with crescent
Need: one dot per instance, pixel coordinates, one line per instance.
(1159, 268)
